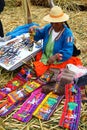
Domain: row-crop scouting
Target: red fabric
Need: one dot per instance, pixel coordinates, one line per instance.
(38, 56)
(40, 68)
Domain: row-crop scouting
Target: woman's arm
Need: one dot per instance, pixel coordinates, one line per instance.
(67, 48)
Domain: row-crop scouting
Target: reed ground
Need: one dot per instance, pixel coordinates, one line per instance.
(12, 17)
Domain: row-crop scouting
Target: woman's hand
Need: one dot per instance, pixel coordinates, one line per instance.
(32, 31)
(54, 58)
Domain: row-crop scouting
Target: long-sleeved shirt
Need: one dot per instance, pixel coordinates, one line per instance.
(63, 43)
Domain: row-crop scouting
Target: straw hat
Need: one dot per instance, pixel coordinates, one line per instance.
(56, 15)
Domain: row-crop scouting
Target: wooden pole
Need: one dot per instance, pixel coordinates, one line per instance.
(27, 14)
(51, 3)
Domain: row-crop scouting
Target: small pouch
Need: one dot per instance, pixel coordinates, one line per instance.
(46, 77)
(27, 73)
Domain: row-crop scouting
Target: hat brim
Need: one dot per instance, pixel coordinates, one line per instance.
(63, 18)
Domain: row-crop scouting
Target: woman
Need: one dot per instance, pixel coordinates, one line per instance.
(58, 42)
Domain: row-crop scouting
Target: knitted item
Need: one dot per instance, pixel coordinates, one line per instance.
(18, 96)
(24, 114)
(56, 73)
(30, 86)
(23, 92)
(12, 85)
(7, 108)
(66, 77)
(72, 107)
(47, 107)
(15, 83)
(27, 72)
(49, 87)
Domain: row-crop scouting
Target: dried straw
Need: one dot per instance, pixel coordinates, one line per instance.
(13, 17)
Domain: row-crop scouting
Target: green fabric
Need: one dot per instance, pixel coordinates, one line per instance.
(72, 105)
(48, 52)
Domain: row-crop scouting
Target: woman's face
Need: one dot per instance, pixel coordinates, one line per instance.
(57, 26)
